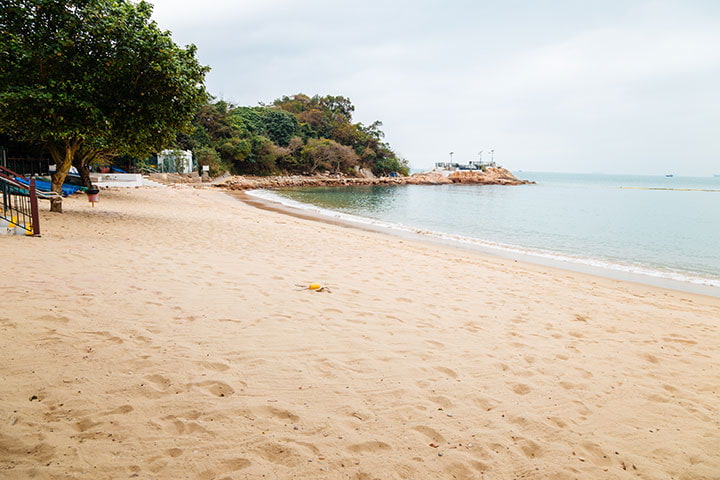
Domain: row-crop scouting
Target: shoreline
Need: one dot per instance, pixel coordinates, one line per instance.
(497, 252)
(492, 176)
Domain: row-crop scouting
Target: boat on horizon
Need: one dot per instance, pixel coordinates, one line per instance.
(669, 175)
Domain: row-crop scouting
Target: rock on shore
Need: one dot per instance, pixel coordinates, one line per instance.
(493, 176)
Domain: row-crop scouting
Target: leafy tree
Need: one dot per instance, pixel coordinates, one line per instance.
(277, 125)
(208, 156)
(386, 165)
(280, 126)
(326, 154)
(320, 116)
(91, 78)
(262, 157)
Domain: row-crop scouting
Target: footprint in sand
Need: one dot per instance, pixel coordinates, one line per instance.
(530, 448)
(557, 422)
(6, 322)
(122, 410)
(54, 318)
(430, 433)
(235, 464)
(215, 388)
(215, 366)
(651, 358)
(108, 336)
(670, 388)
(461, 471)
(173, 452)
(277, 413)
(179, 426)
(486, 404)
(280, 454)
(444, 402)
(159, 381)
(595, 454)
(450, 373)
(521, 389)
(370, 447)
(85, 424)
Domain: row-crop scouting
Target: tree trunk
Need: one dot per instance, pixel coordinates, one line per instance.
(82, 159)
(63, 155)
(83, 171)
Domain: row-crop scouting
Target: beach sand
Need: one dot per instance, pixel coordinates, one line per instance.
(163, 335)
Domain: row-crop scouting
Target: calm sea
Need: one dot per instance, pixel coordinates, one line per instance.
(652, 226)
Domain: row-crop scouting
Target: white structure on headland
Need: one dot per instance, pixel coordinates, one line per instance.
(459, 166)
(175, 161)
(451, 166)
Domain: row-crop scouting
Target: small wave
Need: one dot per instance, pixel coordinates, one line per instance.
(506, 248)
(672, 189)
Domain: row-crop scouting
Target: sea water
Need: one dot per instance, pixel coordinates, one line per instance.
(656, 226)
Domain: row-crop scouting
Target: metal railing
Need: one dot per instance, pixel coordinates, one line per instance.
(19, 214)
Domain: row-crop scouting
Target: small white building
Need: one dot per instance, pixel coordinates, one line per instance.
(175, 161)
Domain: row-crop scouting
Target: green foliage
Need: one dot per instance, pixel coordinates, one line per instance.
(322, 154)
(297, 134)
(386, 165)
(94, 70)
(96, 76)
(144, 166)
(277, 125)
(210, 157)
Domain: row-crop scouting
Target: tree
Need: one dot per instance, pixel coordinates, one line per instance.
(325, 154)
(278, 125)
(208, 156)
(92, 78)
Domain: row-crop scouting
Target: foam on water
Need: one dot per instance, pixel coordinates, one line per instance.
(630, 268)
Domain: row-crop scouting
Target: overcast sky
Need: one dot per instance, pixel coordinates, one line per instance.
(567, 86)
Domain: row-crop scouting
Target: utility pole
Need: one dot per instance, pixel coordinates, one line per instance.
(492, 157)
(480, 155)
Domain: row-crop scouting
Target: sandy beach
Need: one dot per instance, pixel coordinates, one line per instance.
(169, 334)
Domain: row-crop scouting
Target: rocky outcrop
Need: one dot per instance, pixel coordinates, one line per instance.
(427, 178)
(493, 176)
(172, 178)
(250, 183)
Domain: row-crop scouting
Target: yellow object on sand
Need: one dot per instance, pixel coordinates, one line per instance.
(315, 286)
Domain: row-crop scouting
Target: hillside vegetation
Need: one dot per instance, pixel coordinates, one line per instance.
(296, 135)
